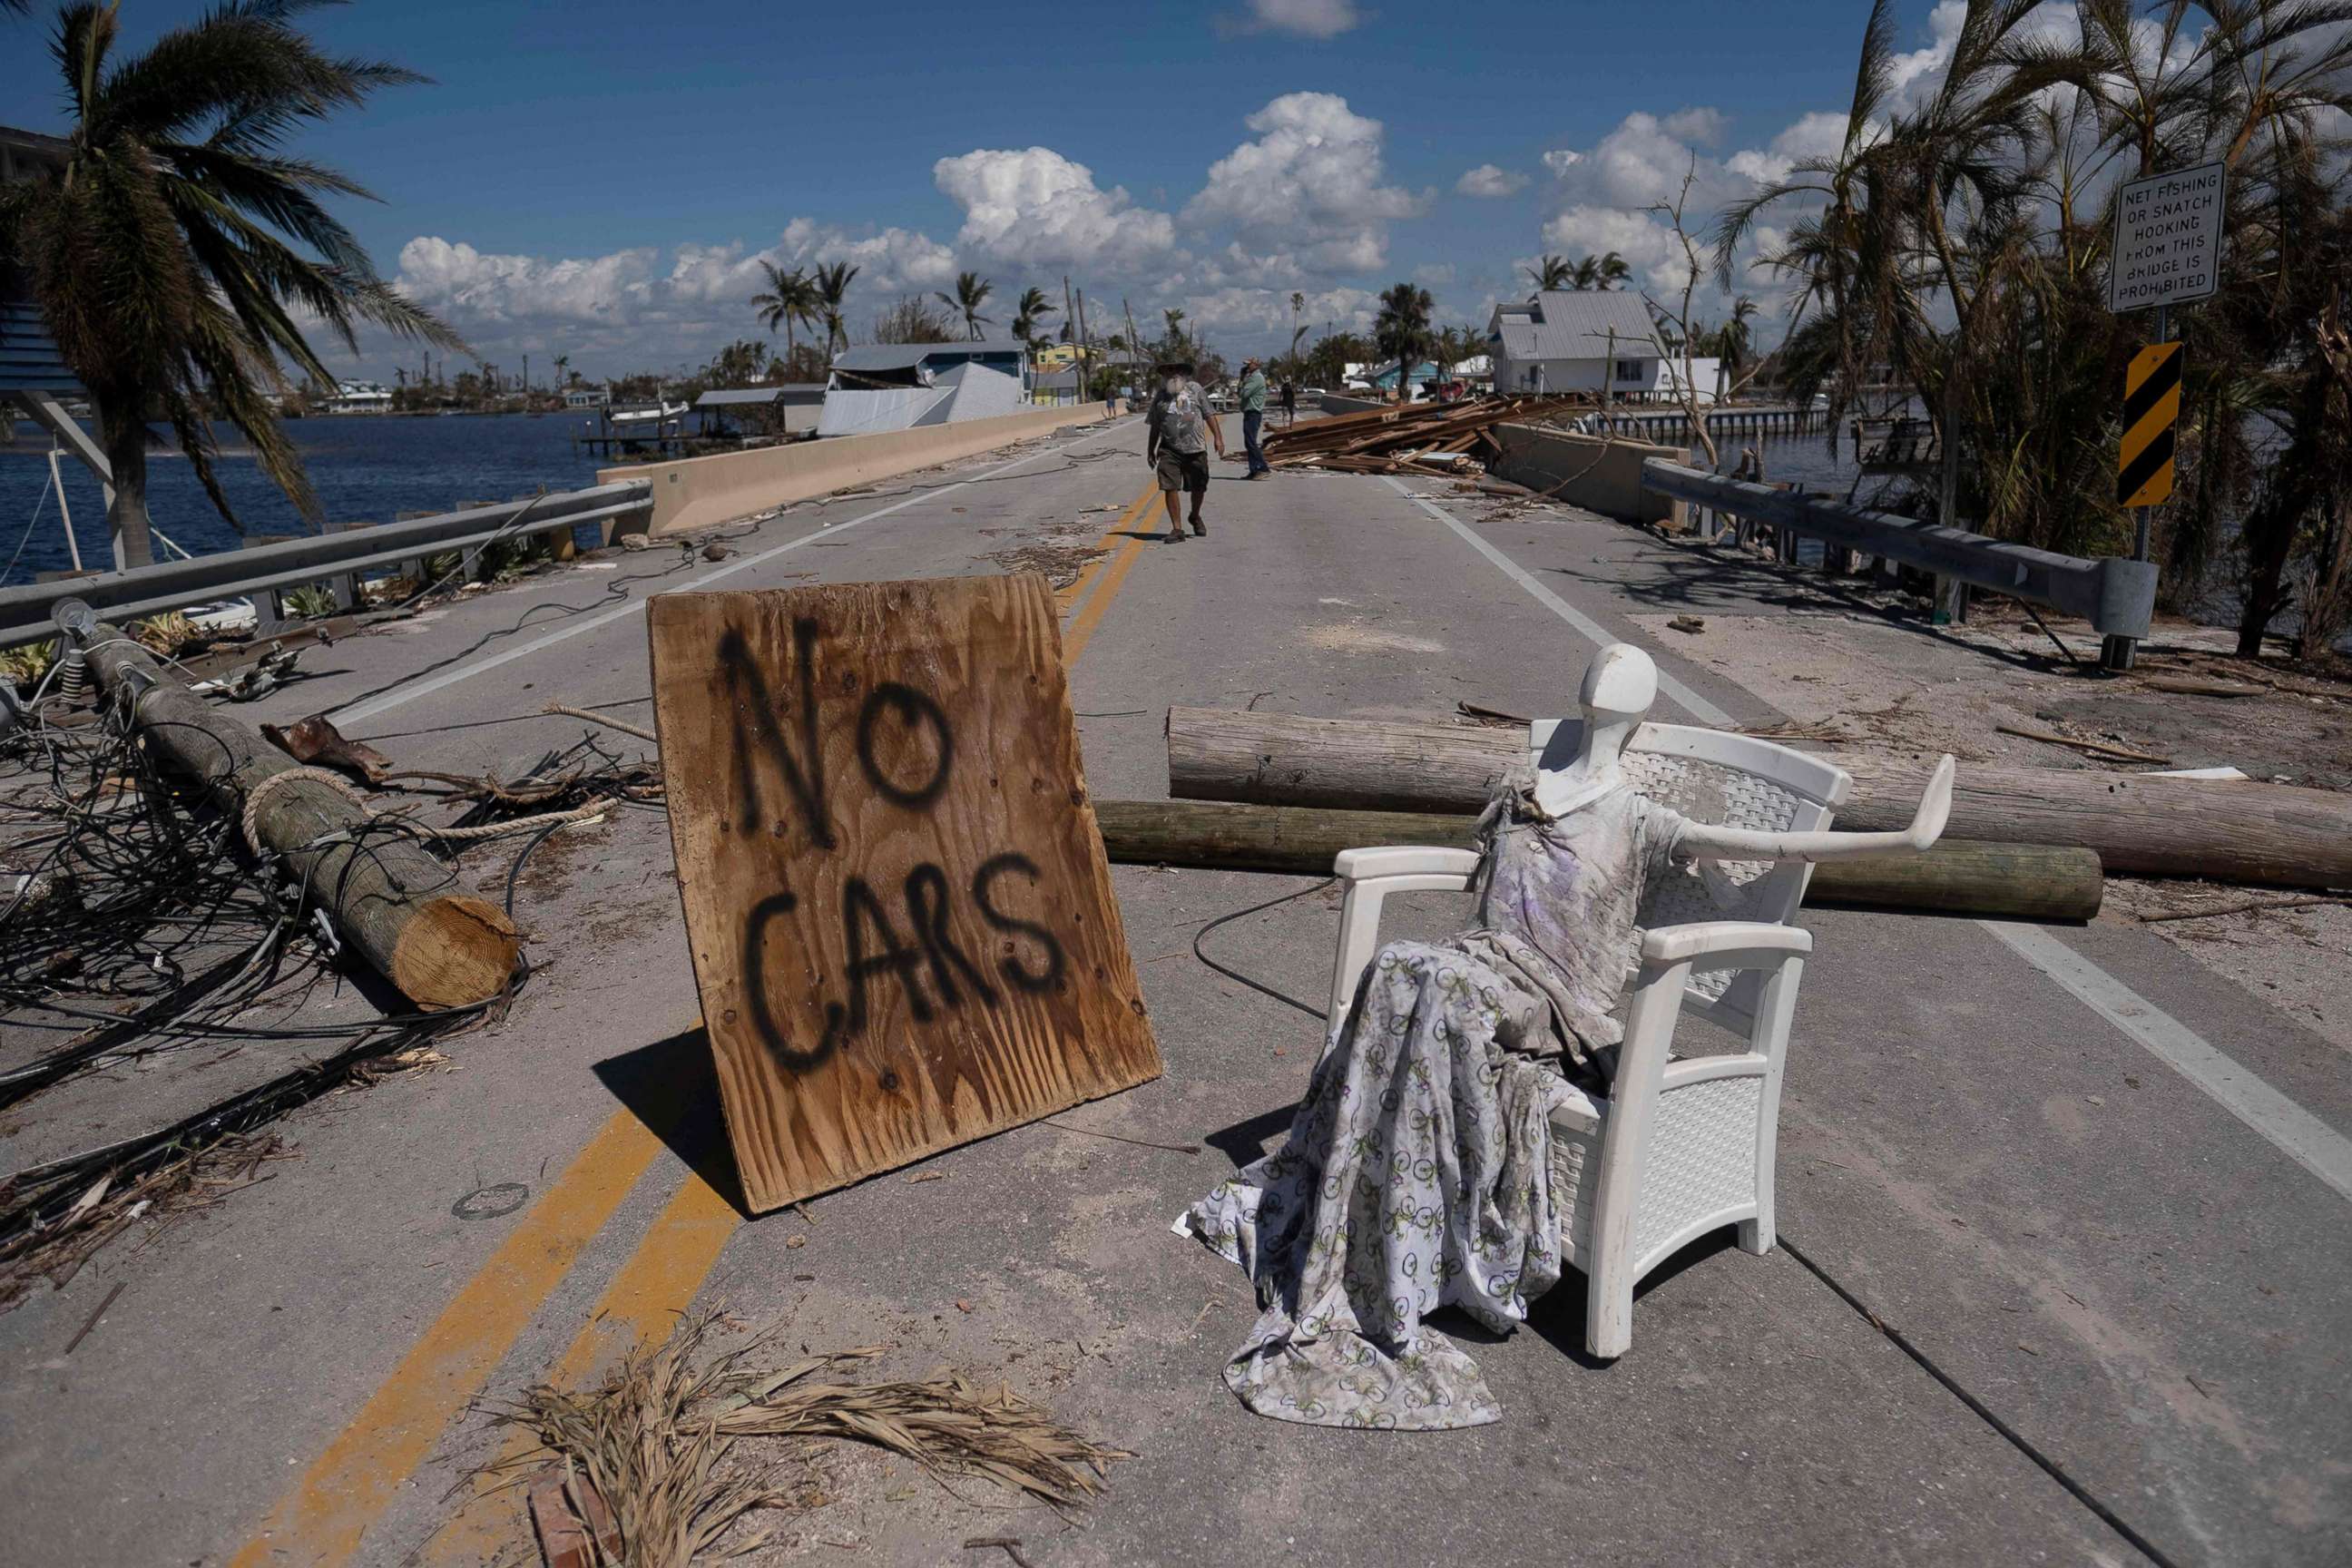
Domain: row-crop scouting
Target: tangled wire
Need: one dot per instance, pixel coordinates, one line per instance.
(135, 920)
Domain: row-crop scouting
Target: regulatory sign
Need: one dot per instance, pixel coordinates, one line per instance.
(2167, 239)
(2151, 409)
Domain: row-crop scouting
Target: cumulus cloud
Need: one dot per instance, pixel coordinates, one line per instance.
(1037, 208)
(465, 285)
(1703, 127)
(1560, 160)
(1305, 18)
(1258, 319)
(894, 260)
(1648, 245)
(1311, 183)
(1609, 195)
(1821, 134)
(1486, 180)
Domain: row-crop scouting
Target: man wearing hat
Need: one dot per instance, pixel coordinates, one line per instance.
(1254, 416)
(1177, 433)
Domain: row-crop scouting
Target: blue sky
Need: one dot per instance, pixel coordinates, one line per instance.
(599, 179)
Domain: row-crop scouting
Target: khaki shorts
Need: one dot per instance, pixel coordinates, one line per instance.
(1186, 471)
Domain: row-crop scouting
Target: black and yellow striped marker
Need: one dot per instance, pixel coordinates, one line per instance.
(2151, 409)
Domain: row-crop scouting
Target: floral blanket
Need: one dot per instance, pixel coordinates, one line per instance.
(1416, 1175)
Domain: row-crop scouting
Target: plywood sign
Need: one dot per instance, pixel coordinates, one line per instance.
(901, 916)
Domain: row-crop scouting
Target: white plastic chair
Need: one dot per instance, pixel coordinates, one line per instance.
(1678, 1148)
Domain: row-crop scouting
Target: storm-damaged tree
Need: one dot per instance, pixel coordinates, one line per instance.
(1029, 313)
(790, 300)
(832, 292)
(178, 246)
(971, 292)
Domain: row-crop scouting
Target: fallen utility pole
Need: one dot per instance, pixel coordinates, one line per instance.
(2012, 881)
(2138, 824)
(390, 901)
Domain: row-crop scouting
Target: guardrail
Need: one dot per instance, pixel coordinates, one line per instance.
(2116, 597)
(24, 611)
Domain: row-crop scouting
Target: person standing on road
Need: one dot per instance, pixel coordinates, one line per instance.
(1289, 403)
(1253, 418)
(1177, 434)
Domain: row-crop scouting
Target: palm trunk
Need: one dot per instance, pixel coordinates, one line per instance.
(125, 436)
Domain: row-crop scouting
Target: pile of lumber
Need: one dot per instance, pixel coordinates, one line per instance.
(1448, 440)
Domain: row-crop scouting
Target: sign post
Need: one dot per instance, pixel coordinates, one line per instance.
(2168, 251)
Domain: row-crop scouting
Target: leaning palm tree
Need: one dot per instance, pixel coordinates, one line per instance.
(173, 248)
(1552, 273)
(971, 292)
(789, 300)
(1029, 315)
(832, 291)
(1611, 270)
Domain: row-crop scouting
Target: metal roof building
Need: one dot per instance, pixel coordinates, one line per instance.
(884, 359)
(1572, 341)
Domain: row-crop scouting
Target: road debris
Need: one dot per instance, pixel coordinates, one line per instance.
(1442, 440)
(656, 1439)
(1690, 625)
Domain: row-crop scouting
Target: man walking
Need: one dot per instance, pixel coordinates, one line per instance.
(1254, 417)
(1177, 434)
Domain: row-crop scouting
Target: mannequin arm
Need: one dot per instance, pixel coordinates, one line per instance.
(1703, 843)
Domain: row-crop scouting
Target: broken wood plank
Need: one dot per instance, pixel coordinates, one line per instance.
(901, 920)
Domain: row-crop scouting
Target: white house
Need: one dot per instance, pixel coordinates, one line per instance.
(361, 398)
(585, 396)
(1565, 340)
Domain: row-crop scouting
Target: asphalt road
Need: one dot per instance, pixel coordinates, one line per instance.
(2122, 1299)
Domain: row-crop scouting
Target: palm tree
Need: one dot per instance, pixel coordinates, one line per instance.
(790, 299)
(1401, 329)
(171, 249)
(562, 372)
(971, 292)
(832, 285)
(1029, 315)
(1552, 273)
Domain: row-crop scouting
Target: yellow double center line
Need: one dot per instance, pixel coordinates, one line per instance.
(349, 1486)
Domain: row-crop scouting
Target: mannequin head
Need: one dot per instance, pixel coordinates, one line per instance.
(1619, 684)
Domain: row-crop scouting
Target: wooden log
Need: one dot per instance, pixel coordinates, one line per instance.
(2014, 881)
(2140, 824)
(394, 904)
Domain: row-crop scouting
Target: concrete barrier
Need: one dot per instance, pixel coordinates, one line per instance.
(703, 492)
(1601, 476)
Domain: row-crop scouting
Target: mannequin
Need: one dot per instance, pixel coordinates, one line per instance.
(1619, 686)
(1415, 1173)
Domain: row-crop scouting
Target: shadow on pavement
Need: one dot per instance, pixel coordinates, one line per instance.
(673, 1088)
(1557, 1317)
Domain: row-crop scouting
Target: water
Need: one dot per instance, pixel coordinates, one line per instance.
(364, 470)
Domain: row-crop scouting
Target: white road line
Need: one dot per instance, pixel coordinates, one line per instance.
(1690, 702)
(2302, 1137)
(427, 686)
